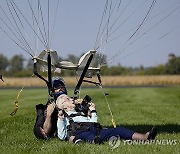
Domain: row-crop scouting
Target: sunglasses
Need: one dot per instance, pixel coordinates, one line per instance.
(59, 87)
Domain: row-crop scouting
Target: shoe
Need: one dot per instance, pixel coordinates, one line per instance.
(78, 141)
(152, 134)
(97, 140)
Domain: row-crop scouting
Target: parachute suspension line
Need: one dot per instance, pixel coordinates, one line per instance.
(17, 100)
(150, 9)
(100, 56)
(160, 21)
(23, 46)
(147, 45)
(165, 9)
(112, 59)
(104, 13)
(105, 36)
(57, 6)
(127, 16)
(42, 19)
(30, 24)
(152, 28)
(35, 43)
(117, 19)
(108, 20)
(20, 33)
(169, 32)
(44, 42)
(119, 4)
(112, 117)
(16, 42)
(36, 38)
(111, 10)
(121, 35)
(48, 27)
(143, 21)
(106, 25)
(147, 21)
(111, 28)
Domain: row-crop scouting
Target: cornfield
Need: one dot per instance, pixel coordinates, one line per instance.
(106, 81)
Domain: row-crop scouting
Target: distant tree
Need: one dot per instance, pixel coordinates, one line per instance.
(140, 70)
(118, 70)
(157, 70)
(3, 62)
(105, 70)
(73, 58)
(16, 63)
(29, 65)
(173, 66)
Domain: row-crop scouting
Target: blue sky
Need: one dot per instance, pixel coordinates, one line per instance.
(78, 21)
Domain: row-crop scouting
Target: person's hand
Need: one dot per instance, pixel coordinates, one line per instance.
(71, 138)
(78, 101)
(61, 115)
(50, 109)
(92, 106)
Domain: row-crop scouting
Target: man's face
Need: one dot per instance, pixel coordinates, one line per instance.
(59, 88)
(67, 102)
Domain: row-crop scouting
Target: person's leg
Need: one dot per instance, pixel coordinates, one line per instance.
(125, 133)
(138, 136)
(38, 126)
(86, 136)
(122, 132)
(148, 136)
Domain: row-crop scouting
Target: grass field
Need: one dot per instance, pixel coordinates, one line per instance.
(135, 108)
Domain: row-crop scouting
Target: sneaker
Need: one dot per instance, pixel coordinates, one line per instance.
(78, 141)
(152, 134)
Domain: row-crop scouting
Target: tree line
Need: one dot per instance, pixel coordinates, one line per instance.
(17, 66)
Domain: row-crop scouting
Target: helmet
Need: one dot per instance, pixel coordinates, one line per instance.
(58, 83)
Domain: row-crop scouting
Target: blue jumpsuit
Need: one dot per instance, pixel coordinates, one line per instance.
(90, 134)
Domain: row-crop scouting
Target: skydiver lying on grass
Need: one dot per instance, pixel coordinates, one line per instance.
(75, 126)
(46, 120)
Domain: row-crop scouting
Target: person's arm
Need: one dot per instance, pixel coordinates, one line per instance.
(47, 124)
(92, 109)
(62, 126)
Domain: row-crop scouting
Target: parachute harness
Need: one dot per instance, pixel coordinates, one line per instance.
(81, 79)
(99, 84)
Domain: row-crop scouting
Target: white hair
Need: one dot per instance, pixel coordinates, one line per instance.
(60, 100)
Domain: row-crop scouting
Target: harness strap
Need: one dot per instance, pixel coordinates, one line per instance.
(76, 114)
(76, 90)
(89, 126)
(74, 126)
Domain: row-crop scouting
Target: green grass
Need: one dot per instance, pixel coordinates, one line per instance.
(135, 108)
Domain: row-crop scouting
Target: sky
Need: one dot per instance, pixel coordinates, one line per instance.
(146, 31)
